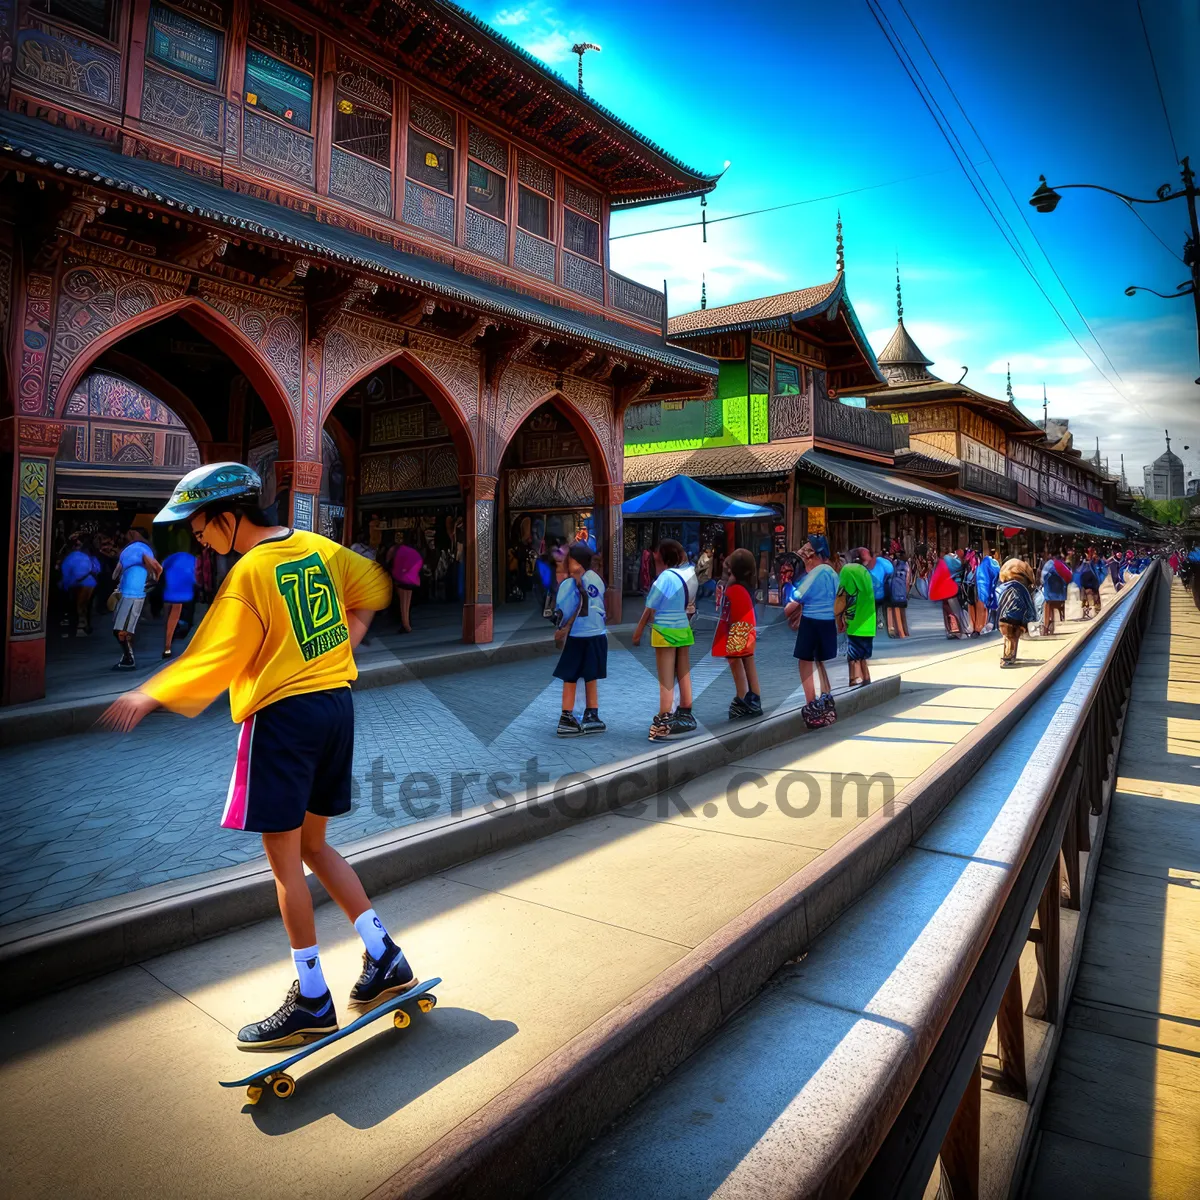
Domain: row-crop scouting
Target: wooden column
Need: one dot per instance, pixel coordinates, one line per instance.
(960, 1150)
(479, 496)
(34, 445)
(610, 541)
(302, 480)
(1010, 1034)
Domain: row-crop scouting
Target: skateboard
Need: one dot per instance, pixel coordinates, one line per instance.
(283, 1085)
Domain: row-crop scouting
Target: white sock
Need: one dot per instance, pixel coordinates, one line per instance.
(370, 929)
(308, 968)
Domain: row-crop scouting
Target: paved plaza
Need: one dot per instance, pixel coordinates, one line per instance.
(92, 816)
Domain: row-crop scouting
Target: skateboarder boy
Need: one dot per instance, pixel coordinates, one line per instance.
(280, 635)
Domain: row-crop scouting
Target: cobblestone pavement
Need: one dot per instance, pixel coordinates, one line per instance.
(97, 815)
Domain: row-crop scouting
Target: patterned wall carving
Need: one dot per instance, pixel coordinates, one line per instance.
(35, 342)
(550, 487)
(362, 83)
(486, 235)
(487, 149)
(580, 198)
(534, 254)
(456, 368)
(6, 262)
(485, 520)
(310, 417)
(53, 59)
(32, 482)
(595, 401)
(277, 147)
(302, 510)
(98, 292)
(534, 173)
(582, 276)
(351, 345)
(429, 209)
(360, 181)
(431, 118)
(180, 107)
(410, 470)
(789, 416)
(8, 11)
(272, 324)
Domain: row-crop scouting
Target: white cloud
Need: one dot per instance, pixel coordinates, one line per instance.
(551, 46)
(511, 16)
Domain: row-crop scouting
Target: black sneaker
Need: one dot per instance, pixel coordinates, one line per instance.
(738, 708)
(569, 726)
(591, 721)
(683, 721)
(128, 663)
(389, 976)
(754, 704)
(298, 1021)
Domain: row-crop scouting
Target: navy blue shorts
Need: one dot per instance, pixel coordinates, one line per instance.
(294, 757)
(583, 658)
(816, 640)
(858, 648)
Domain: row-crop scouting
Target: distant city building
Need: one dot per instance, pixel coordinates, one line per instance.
(1164, 476)
(1193, 487)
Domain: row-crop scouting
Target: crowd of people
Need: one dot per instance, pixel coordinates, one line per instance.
(118, 573)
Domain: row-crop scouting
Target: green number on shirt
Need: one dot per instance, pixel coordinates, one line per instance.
(312, 604)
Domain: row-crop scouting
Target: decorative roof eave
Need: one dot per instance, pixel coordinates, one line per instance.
(496, 303)
(860, 339)
(691, 181)
(781, 321)
(940, 391)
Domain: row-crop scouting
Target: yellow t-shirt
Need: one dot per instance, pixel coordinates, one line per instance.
(276, 628)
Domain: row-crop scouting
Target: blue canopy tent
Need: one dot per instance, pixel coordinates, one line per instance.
(681, 498)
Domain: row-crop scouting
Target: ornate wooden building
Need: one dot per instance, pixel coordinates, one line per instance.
(376, 218)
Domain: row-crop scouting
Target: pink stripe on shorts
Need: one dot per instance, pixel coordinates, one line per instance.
(236, 802)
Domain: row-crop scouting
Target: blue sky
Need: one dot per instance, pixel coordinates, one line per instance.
(806, 100)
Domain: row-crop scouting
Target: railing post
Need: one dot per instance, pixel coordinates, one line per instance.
(960, 1150)
(1073, 836)
(1010, 1037)
(1044, 1000)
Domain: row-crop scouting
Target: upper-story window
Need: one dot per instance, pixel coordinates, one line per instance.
(487, 194)
(184, 44)
(279, 82)
(428, 194)
(431, 138)
(581, 221)
(787, 378)
(534, 246)
(760, 371)
(94, 16)
(362, 111)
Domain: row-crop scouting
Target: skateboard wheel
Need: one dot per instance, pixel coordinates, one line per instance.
(401, 1019)
(283, 1086)
(253, 1094)
(427, 1003)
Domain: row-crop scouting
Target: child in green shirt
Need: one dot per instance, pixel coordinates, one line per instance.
(855, 606)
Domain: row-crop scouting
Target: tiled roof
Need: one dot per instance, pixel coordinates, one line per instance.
(780, 309)
(916, 462)
(724, 462)
(76, 154)
(941, 390)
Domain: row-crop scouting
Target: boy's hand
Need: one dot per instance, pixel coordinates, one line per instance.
(637, 637)
(126, 712)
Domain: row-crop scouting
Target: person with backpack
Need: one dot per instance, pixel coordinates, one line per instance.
(280, 637)
(987, 576)
(880, 570)
(855, 608)
(579, 620)
(896, 597)
(1015, 609)
(670, 606)
(737, 633)
(1089, 583)
(945, 584)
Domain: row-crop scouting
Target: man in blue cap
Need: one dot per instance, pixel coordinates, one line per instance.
(810, 613)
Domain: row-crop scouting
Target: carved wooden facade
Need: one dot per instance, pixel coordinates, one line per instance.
(358, 127)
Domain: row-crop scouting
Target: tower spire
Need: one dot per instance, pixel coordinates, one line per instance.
(1168, 433)
(1009, 388)
(841, 246)
(1045, 411)
(899, 295)
(703, 291)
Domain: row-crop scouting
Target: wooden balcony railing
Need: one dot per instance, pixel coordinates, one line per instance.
(633, 297)
(988, 483)
(849, 426)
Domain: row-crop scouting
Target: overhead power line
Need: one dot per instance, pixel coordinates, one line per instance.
(1016, 203)
(775, 207)
(979, 187)
(1157, 81)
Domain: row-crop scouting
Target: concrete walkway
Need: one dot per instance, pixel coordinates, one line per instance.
(91, 816)
(115, 1080)
(1120, 1119)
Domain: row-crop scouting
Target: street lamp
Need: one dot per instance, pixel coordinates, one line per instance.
(1045, 200)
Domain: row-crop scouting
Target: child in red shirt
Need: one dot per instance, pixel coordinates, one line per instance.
(736, 633)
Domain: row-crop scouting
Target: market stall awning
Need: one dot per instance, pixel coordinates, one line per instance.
(1010, 516)
(883, 486)
(683, 497)
(1078, 521)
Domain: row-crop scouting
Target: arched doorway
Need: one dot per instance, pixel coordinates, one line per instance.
(144, 409)
(550, 474)
(407, 453)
